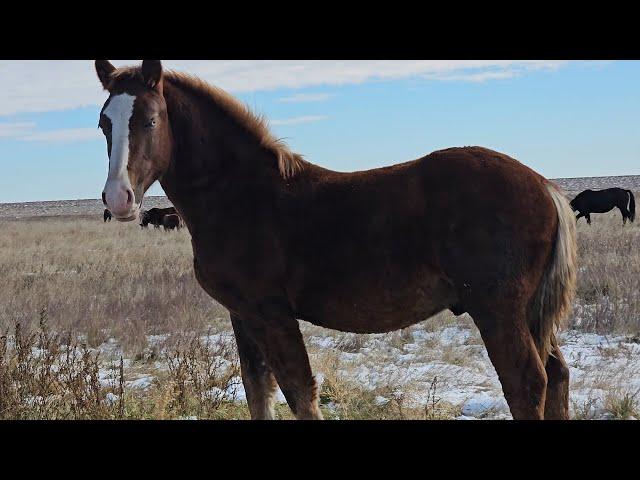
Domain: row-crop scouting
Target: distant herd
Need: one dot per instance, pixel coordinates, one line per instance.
(166, 218)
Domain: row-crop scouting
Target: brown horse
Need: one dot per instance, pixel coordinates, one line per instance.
(276, 238)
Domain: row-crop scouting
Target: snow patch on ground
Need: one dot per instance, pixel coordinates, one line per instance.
(449, 364)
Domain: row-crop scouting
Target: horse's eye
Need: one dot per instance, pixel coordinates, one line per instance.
(151, 123)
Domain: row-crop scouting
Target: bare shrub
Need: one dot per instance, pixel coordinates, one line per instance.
(622, 405)
(351, 342)
(585, 410)
(47, 376)
(344, 399)
(203, 374)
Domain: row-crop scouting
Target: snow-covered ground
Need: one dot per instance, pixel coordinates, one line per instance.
(448, 364)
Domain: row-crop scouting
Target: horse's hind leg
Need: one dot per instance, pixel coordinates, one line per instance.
(259, 383)
(625, 214)
(514, 355)
(557, 400)
(588, 217)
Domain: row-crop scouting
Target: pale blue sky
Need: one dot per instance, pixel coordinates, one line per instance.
(564, 119)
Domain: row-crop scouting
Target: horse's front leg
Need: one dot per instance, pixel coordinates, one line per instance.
(281, 343)
(258, 380)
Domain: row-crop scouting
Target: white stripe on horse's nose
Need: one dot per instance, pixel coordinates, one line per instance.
(118, 194)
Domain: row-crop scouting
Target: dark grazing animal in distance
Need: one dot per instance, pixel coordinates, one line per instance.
(154, 216)
(602, 201)
(107, 215)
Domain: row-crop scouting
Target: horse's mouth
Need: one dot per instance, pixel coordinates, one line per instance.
(131, 217)
(127, 219)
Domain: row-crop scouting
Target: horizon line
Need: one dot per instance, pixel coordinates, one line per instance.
(164, 196)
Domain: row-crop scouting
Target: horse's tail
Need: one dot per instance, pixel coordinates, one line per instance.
(552, 300)
(632, 206)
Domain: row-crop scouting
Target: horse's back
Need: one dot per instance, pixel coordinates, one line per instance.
(600, 201)
(473, 184)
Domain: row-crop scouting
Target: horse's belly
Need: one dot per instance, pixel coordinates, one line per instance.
(601, 209)
(357, 321)
(377, 311)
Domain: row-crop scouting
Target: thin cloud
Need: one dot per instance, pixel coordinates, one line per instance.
(306, 97)
(53, 85)
(68, 135)
(478, 77)
(484, 75)
(12, 130)
(298, 120)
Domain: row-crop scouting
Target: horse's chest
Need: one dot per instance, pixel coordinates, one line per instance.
(233, 272)
(216, 282)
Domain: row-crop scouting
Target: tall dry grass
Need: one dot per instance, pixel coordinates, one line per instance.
(101, 280)
(608, 293)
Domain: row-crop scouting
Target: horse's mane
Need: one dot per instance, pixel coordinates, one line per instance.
(289, 163)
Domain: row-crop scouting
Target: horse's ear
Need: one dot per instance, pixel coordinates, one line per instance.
(152, 74)
(104, 69)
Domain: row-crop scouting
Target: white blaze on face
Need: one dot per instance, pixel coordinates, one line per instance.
(118, 187)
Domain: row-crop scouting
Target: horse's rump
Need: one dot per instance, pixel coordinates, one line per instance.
(171, 221)
(155, 215)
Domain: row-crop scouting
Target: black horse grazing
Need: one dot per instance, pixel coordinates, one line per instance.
(107, 215)
(155, 216)
(602, 201)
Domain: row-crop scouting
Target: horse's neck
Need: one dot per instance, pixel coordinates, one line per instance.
(210, 151)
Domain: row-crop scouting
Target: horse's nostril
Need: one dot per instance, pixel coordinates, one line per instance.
(104, 199)
(129, 197)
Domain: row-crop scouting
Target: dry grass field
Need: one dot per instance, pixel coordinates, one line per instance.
(107, 321)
